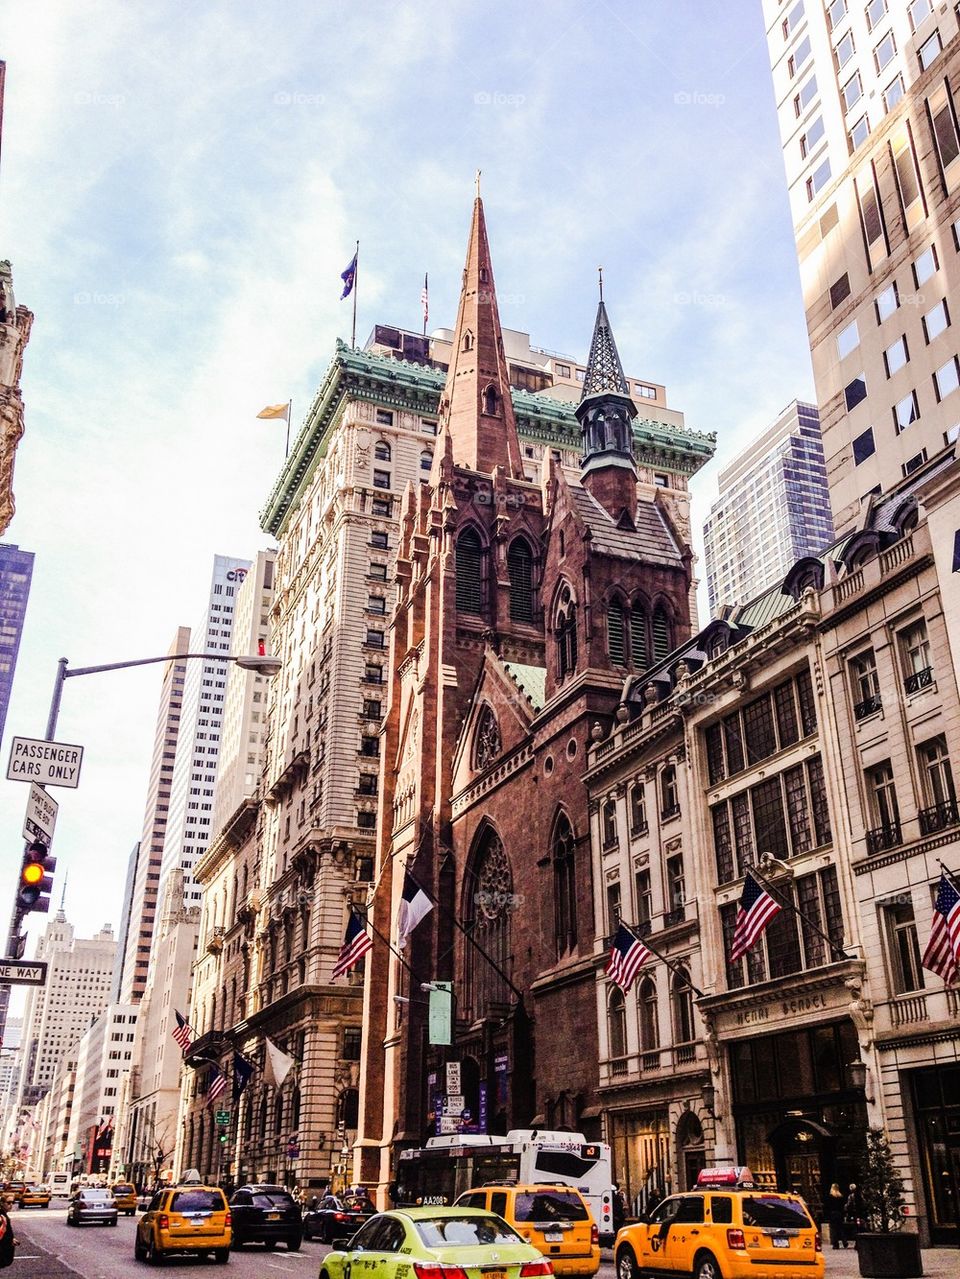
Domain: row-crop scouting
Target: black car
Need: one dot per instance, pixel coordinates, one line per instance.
(337, 1216)
(267, 1215)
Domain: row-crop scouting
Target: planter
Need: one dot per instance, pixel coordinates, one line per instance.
(890, 1256)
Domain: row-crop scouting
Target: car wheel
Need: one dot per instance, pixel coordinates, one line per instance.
(139, 1252)
(705, 1267)
(221, 1255)
(293, 1245)
(154, 1258)
(269, 1244)
(627, 1267)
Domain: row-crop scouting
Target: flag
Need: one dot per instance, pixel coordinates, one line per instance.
(754, 912)
(349, 276)
(942, 955)
(276, 1064)
(414, 906)
(627, 956)
(425, 300)
(276, 410)
(218, 1086)
(242, 1070)
(356, 942)
(183, 1034)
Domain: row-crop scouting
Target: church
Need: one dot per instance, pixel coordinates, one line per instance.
(521, 610)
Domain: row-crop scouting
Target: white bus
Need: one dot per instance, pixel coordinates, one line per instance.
(447, 1166)
(59, 1183)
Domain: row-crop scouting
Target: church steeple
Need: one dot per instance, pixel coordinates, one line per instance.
(476, 411)
(606, 414)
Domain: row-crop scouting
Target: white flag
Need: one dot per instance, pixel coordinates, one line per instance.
(277, 1064)
(414, 906)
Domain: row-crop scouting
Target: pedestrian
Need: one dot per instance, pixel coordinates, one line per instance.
(8, 1240)
(853, 1211)
(836, 1212)
(619, 1208)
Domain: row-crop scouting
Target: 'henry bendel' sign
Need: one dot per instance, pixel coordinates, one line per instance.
(47, 763)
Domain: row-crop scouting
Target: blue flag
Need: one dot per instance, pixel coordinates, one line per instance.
(242, 1070)
(348, 277)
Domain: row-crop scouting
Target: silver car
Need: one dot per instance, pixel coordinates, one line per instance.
(92, 1207)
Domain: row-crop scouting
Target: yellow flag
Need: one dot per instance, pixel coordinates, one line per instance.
(275, 410)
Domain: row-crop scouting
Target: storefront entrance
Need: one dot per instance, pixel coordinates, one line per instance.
(936, 1099)
(803, 1156)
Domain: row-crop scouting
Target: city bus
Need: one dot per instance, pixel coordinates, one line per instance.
(446, 1166)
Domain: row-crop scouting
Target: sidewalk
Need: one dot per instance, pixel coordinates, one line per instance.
(938, 1263)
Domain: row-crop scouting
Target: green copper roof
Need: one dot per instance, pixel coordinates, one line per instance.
(363, 375)
(531, 680)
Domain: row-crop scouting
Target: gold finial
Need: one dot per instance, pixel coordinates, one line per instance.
(600, 273)
(478, 183)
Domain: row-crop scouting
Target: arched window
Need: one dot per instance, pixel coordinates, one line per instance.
(615, 629)
(520, 568)
(486, 739)
(617, 1025)
(382, 451)
(564, 885)
(467, 343)
(469, 572)
(682, 999)
(661, 633)
(490, 401)
(426, 459)
(566, 637)
(488, 908)
(649, 1020)
(639, 644)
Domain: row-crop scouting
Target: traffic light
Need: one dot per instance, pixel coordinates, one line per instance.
(36, 878)
(222, 1133)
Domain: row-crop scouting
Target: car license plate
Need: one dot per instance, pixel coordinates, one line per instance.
(273, 1216)
(553, 1236)
(780, 1241)
(494, 1274)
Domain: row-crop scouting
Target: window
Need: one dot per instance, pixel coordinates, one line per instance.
(818, 179)
(648, 1015)
(946, 379)
(882, 795)
(368, 784)
(852, 92)
(812, 136)
(799, 57)
(840, 290)
(608, 823)
(617, 1025)
(615, 633)
(919, 10)
(669, 792)
(908, 180)
(370, 746)
(929, 51)
(372, 708)
(863, 446)
(380, 506)
(376, 604)
(885, 52)
(644, 391)
(682, 1000)
(836, 12)
(842, 53)
(956, 552)
(638, 808)
(936, 321)
(914, 463)
(904, 950)
(661, 634)
(384, 417)
(805, 96)
(925, 265)
(373, 673)
(563, 370)
(792, 20)
(469, 569)
(905, 412)
(613, 906)
(490, 402)
(564, 886)
(366, 820)
(565, 634)
(375, 638)
(352, 1040)
(381, 479)
(887, 302)
(379, 539)
(914, 644)
(893, 93)
(854, 392)
(520, 569)
(896, 356)
(944, 127)
(859, 133)
(866, 684)
(675, 889)
(378, 572)
(876, 9)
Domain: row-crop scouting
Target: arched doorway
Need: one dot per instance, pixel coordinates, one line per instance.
(804, 1154)
(690, 1149)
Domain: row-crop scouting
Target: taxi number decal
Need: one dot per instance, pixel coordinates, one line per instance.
(404, 1269)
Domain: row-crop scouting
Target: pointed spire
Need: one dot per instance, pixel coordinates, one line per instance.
(605, 413)
(604, 370)
(476, 410)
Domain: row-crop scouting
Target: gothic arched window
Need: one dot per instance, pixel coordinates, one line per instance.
(469, 572)
(617, 1025)
(467, 343)
(682, 998)
(615, 632)
(489, 906)
(486, 739)
(520, 568)
(565, 633)
(564, 885)
(649, 1021)
(661, 633)
(639, 644)
(490, 401)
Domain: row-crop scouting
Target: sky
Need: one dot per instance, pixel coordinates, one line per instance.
(182, 184)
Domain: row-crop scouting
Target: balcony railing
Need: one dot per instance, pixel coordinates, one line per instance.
(650, 1060)
(671, 810)
(619, 1065)
(684, 1054)
(919, 679)
(869, 706)
(939, 817)
(883, 837)
(674, 916)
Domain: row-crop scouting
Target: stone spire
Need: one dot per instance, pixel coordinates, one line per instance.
(476, 411)
(606, 414)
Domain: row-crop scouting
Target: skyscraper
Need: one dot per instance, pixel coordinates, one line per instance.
(16, 571)
(868, 123)
(773, 508)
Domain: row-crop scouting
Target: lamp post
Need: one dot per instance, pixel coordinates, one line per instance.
(259, 663)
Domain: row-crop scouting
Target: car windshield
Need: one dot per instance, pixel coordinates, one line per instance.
(196, 1201)
(271, 1199)
(787, 1214)
(550, 1205)
(437, 1232)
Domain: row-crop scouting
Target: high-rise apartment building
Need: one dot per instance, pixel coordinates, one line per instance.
(79, 974)
(104, 1060)
(137, 928)
(773, 508)
(868, 123)
(16, 570)
(190, 819)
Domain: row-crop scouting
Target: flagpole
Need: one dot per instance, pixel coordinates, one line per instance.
(835, 950)
(289, 416)
(426, 301)
(669, 963)
(356, 276)
(949, 874)
(386, 941)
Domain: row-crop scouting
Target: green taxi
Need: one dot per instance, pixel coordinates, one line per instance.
(435, 1243)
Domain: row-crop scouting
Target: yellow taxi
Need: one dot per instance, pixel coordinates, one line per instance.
(555, 1219)
(34, 1197)
(726, 1228)
(125, 1197)
(187, 1218)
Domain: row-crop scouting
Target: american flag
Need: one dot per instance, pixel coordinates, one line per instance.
(182, 1032)
(755, 911)
(627, 956)
(942, 955)
(425, 301)
(356, 942)
(218, 1086)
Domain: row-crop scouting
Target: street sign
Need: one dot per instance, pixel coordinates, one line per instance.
(49, 763)
(449, 1123)
(222, 1117)
(293, 1152)
(23, 972)
(41, 816)
(453, 1076)
(453, 1103)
